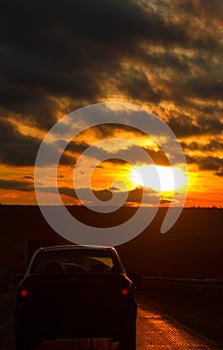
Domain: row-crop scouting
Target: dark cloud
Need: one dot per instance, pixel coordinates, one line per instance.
(220, 173)
(183, 126)
(164, 60)
(131, 154)
(182, 90)
(113, 130)
(16, 149)
(151, 197)
(212, 145)
(67, 191)
(21, 150)
(135, 84)
(103, 195)
(210, 125)
(134, 196)
(210, 163)
(205, 87)
(207, 163)
(158, 157)
(77, 147)
(25, 186)
(211, 11)
(68, 49)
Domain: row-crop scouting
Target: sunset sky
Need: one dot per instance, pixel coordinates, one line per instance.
(163, 56)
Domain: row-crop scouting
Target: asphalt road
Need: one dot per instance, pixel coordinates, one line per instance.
(159, 331)
(155, 330)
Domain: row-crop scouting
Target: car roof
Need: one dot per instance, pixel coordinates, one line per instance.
(75, 247)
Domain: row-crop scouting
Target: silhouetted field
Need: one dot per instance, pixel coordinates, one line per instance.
(192, 248)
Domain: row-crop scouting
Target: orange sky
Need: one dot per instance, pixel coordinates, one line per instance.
(204, 186)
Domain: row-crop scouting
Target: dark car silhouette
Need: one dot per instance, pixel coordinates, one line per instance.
(75, 292)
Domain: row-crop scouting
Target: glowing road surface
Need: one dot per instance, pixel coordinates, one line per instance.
(154, 331)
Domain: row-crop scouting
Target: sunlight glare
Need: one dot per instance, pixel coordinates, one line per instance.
(159, 178)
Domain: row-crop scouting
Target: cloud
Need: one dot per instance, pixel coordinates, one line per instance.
(163, 55)
(183, 126)
(27, 177)
(220, 173)
(77, 147)
(210, 163)
(210, 125)
(205, 87)
(133, 153)
(135, 84)
(25, 186)
(80, 47)
(202, 8)
(16, 149)
(207, 163)
(212, 145)
(113, 130)
(133, 196)
(21, 150)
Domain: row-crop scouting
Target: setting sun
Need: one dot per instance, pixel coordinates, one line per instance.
(159, 178)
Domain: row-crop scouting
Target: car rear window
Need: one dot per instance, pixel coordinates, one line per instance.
(70, 261)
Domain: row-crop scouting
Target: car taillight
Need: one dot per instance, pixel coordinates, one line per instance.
(24, 293)
(124, 291)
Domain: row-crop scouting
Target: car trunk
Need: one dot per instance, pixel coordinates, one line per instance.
(77, 302)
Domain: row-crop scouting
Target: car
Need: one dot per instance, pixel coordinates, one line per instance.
(75, 291)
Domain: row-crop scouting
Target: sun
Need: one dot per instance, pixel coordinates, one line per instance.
(159, 178)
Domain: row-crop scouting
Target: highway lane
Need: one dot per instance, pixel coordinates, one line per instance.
(159, 331)
(155, 331)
